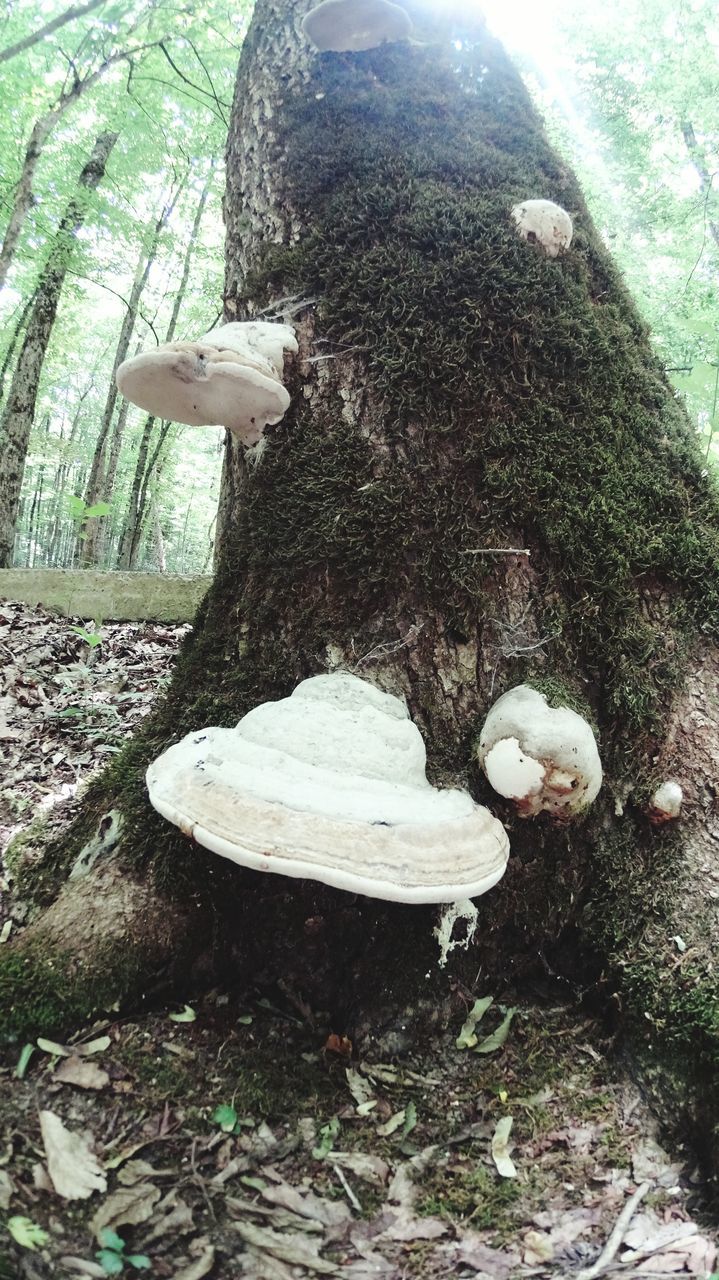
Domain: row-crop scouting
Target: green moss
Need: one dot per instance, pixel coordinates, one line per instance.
(528, 381)
(468, 1191)
(42, 995)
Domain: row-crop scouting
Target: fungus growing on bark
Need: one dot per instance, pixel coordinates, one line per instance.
(666, 803)
(349, 26)
(544, 222)
(542, 757)
(329, 784)
(231, 377)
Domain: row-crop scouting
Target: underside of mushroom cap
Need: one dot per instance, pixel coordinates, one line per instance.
(542, 757)
(329, 784)
(198, 385)
(349, 26)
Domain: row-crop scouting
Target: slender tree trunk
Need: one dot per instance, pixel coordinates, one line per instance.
(33, 519)
(129, 541)
(17, 417)
(23, 198)
(698, 159)
(99, 485)
(8, 358)
(491, 483)
(75, 11)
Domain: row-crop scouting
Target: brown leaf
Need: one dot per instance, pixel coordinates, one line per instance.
(73, 1168)
(127, 1206)
(82, 1073)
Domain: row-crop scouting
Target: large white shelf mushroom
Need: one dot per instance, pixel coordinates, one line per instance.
(330, 784)
(348, 26)
(542, 757)
(231, 377)
(544, 222)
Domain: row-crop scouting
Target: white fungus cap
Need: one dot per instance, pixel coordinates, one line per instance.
(542, 757)
(231, 377)
(545, 223)
(666, 803)
(329, 784)
(348, 26)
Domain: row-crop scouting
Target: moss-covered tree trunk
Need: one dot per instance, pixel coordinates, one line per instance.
(457, 395)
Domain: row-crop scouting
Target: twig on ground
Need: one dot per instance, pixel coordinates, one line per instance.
(611, 1248)
(350, 1193)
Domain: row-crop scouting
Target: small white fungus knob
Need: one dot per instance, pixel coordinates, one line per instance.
(666, 803)
(544, 222)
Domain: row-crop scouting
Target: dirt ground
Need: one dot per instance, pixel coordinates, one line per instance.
(228, 1139)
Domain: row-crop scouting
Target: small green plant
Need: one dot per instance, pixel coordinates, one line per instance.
(81, 512)
(92, 638)
(112, 1256)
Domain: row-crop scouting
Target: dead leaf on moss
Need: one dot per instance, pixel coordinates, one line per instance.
(74, 1169)
(500, 1148)
(82, 1073)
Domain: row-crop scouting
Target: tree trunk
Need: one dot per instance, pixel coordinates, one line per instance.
(99, 485)
(23, 197)
(129, 542)
(489, 483)
(18, 414)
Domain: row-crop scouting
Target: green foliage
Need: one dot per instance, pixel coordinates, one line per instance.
(112, 1256)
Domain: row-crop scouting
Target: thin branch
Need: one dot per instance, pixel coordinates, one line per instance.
(75, 11)
(611, 1248)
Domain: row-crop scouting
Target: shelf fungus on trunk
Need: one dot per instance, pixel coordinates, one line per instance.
(231, 377)
(543, 758)
(349, 26)
(544, 222)
(329, 784)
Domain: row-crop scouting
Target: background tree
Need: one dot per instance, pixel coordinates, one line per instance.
(480, 395)
(18, 414)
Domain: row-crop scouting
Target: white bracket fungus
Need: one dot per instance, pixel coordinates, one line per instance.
(544, 222)
(231, 377)
(329, 784)
(542, 757)
(666, 803)
(348, 26)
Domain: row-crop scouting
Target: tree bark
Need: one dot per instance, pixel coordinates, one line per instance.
(17, 417)
(487, 482)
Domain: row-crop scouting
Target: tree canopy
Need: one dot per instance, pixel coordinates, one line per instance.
(628, 94)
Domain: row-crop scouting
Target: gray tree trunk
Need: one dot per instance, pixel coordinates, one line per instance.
(488, 482)
(17, 418)
(101, 478)
(129, 542)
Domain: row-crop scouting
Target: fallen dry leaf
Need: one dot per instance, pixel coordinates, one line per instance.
(82, 1073)
(296, 1250)
(127, 1206)
(500, 1148)
(201, 1267)
(74, 1169)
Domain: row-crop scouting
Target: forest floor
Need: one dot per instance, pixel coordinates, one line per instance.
(233, 1138)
